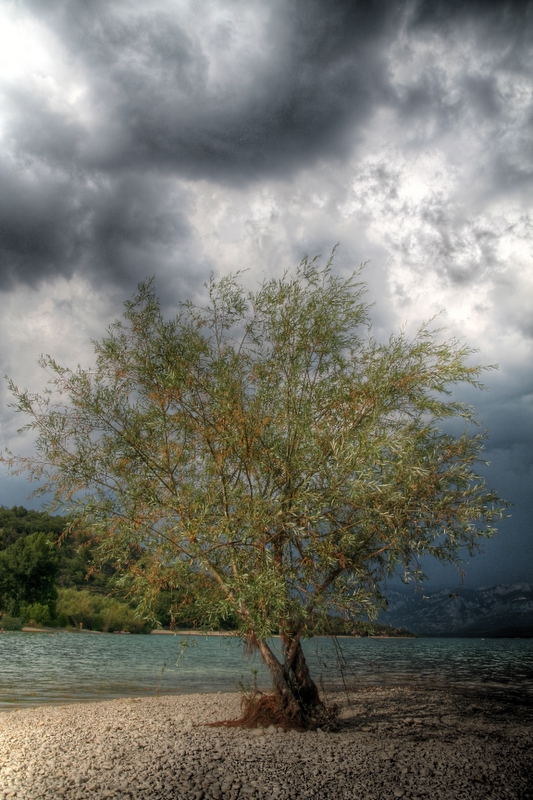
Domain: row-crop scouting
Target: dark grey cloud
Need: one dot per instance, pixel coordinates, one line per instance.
(39, 226)
(133, 227)
(72, 199)
(462, 252)
(320, 69)
(156, 109)
(481, 93)
(35, 131)
(495, 17)
(56, 224)
(472, 97)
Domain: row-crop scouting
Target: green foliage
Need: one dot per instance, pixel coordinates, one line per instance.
(337, 626)
(38, 613)
(74, 553)
(77, 568)
(96, 612)
(18, 522)
(38, 555)
(183, 609)
(28, 569)
(8, 623)
(265, 456)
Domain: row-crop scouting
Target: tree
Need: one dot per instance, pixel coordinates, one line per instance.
(18, 521)
(28, 570)
(265, 456)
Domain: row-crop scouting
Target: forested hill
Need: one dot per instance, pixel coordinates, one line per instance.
(19, 527)
(18, 522)
(46, 579)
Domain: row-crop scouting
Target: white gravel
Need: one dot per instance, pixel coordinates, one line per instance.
(392, 743)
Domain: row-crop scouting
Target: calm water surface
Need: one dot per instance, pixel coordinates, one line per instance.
(38, 668)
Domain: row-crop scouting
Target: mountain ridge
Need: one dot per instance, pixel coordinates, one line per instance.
(503, 610)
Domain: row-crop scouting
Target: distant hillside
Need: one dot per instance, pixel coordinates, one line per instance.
(494, 611)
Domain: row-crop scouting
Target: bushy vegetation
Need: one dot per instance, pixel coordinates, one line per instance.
(8, 623)
(95, 612)
(46, 578)
(28, 570)
(18, 522)
(73, 552)
(39, 614)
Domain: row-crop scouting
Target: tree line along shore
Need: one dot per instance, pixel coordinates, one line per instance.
(48, 582)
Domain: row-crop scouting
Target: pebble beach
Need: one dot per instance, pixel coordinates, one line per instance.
(392, 743)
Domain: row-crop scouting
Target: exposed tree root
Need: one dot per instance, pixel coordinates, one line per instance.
(260, 710)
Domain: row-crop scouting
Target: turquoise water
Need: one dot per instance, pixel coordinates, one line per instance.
(39, 668)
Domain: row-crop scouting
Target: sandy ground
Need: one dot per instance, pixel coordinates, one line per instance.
(392, 743)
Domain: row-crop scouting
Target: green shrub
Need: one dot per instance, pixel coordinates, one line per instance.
(96, 612)
(10, 623)
(39, 613)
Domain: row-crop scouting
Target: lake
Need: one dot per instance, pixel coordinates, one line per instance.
(38, 668)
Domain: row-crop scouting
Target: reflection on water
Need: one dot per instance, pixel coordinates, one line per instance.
(39, 668)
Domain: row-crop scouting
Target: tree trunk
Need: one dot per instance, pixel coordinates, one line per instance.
(282, 687)
(307, 689)
(296, 692)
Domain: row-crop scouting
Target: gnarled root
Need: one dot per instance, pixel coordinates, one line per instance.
(260, 710)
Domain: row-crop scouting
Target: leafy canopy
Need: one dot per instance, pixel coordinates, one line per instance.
(265, 454)
(28, 569)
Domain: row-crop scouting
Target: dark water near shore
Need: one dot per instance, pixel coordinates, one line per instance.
(39, 668)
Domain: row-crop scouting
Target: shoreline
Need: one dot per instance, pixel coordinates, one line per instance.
(166, 632)
(395, 741)
(188, 632)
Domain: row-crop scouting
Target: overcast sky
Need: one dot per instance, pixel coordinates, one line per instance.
(176, 137)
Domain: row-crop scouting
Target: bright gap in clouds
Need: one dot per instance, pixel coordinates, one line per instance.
(34, 64)
(26, 47)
